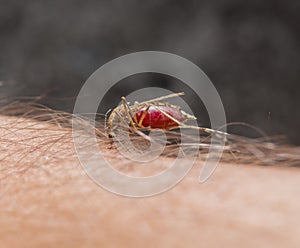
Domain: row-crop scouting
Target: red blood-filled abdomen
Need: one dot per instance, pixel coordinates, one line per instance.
(156, 119)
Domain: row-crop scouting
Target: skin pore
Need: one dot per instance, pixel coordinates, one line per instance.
(47, 200)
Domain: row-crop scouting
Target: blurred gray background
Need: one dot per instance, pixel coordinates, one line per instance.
(249, 49)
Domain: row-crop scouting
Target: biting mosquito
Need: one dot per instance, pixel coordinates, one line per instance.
(150, 115)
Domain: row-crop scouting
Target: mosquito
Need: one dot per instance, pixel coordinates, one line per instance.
(151, 114)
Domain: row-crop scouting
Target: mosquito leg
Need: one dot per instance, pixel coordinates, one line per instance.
(143, 116)
(206, 130)
(219, 134)
(128, 112)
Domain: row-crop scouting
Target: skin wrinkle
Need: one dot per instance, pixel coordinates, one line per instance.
(47, 200)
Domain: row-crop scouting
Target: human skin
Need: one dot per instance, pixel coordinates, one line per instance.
(47, 200)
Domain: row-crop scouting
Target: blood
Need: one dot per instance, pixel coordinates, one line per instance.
(156, 119)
